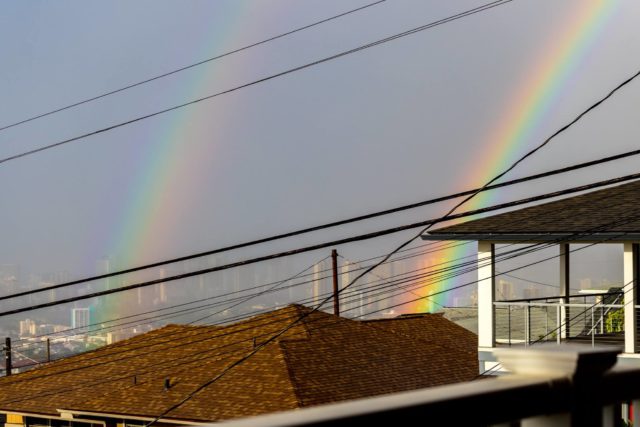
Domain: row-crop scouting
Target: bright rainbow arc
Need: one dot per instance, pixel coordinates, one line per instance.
(532, 103)
(148, 220)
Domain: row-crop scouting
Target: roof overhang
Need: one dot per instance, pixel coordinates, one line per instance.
(72, 414)
(49, 416)
(537, 237)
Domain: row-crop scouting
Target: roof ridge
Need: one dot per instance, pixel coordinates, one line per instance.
(441, 345)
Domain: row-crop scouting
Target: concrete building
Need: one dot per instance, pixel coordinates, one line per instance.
(80, 318)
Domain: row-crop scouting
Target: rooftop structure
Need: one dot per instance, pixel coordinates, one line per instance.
(608, 216)
(322, 359)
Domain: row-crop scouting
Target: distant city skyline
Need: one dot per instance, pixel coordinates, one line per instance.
(398, 123)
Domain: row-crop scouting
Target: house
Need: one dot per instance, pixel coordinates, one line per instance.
(608, 216)
(322, 359)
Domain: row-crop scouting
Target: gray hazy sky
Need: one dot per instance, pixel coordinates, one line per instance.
(397, 123)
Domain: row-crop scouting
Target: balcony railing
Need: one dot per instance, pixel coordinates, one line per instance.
(598, 320)
(559, 386)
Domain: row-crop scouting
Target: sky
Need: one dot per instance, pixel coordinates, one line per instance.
(415, 118)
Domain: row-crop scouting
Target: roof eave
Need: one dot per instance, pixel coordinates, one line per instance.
(536, 237)
(75, 412)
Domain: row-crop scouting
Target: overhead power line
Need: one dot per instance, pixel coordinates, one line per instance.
(187, 67)
(451, 18)
(447, 272)
(448, 214)
(499, 257)
(329, 225)
(352, 239)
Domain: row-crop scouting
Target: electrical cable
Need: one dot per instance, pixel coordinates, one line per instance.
(401, 246)
(187, 67)
(352, 239)
(557, 255)
(324, 226)
(457, 16)
(563, 239)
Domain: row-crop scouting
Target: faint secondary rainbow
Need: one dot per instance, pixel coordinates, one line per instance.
(524, 112)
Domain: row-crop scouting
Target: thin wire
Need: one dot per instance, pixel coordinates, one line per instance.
(216, 355)
(264, 79)
(361, 237)
(525, 265)
(324, 226)
(448, 214)
(169, 73)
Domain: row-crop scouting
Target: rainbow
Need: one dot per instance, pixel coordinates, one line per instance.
(532, 102)
(174, 154)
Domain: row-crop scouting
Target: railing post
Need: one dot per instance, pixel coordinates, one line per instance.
(527, 324)
(559, 322)
(602, 312)
(593, 330)
(630, 297)
(565, 289)
(509, 322)
(546, 322)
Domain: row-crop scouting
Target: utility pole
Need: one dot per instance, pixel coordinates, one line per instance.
(336, 300)
(48, 350)
(8, 366)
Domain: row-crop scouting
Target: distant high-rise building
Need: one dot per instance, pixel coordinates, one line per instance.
(80, 318)
(9, 278)
(27, 327)
(505, 290)
(161, 288)
(322, 279)
(531, 292)
(586, 283)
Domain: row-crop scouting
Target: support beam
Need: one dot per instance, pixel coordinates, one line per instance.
(486, 294)
(630, 297)
(565, 290)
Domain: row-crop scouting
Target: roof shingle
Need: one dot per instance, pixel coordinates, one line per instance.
(322, 359)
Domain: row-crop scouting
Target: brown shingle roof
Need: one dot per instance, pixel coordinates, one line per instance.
(322, 359)
(602, 214)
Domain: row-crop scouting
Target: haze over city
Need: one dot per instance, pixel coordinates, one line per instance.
(415, 118)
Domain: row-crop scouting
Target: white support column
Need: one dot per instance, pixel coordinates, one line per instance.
(565, 289)
(630, 297)
(486, 294)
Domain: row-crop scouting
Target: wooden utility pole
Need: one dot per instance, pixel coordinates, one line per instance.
(336, 299)
(8, 366)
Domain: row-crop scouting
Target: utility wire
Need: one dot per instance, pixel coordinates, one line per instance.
(244, 358)
(357, 238)
(474, 262)
(274, 287)
(457, 16)
(186, 67)
(324, 226)
(563, 239)
(502, 256)
(401, 246)
(327, 225)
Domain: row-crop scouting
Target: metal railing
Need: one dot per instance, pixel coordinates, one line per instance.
(598, 319)
(561, 387)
